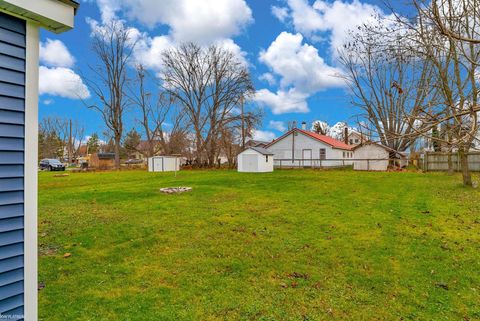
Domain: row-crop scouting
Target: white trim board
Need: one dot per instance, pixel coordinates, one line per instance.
(31, 174)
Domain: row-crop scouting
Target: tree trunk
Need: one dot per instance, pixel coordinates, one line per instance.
(117, 153)
(467, 177)
(451, 170)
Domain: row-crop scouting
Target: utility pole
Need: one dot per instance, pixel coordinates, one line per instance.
(243, 121)
(70, 143)
(294, 131)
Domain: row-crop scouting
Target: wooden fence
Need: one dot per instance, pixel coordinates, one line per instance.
(436, 161)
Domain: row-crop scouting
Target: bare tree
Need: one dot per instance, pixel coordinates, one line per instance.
(158, 112)
(444, 89)
(441, 35)
(320, 127)
(209, 84)
(50, 144)
(64, 135)
(388, 85)
(113, 47)
(464, 12)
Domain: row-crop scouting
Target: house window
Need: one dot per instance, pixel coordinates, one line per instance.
(266, 158)
(323, 153)
(356, 141)
(343, 154)
(351, 141)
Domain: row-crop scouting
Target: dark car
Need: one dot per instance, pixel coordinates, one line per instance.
(51, 165)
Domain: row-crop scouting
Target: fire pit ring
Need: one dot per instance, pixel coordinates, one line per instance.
(175, 190)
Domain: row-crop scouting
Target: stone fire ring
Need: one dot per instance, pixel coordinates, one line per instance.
(175, 190)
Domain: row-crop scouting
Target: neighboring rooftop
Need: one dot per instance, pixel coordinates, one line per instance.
(380, 145)
(253, 142)
(261, 150)
(334, 143)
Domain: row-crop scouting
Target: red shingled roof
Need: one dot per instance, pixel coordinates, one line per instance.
(324, 139)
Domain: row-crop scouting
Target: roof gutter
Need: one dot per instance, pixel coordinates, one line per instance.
(72, 3)
(53, 15)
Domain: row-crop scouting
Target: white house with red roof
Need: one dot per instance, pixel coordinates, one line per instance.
(302, 148)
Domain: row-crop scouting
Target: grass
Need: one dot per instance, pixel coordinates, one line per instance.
(289, 245)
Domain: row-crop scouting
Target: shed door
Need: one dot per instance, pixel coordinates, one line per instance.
(307, 157)
(12, 133)
(250, 163)
(158, 164)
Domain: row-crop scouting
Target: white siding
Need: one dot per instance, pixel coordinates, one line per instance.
(282, 149)
(163, 164)
(355, 138)
(371, 152)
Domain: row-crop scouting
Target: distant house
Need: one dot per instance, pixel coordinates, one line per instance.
(355, 138)
(102, 160)
(256, 143)
(82, 151)
(299, 147)
(144, 147)
(371, 156)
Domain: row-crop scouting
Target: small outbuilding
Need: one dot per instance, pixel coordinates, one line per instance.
(255, 160)
(371, 156)
(164, 164)
(102, 161)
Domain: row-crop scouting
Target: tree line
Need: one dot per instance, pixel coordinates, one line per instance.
(418, 76)
(196, 105)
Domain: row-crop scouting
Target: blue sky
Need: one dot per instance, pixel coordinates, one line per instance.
(289, 45)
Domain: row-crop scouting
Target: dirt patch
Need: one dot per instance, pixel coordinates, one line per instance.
(61, 175)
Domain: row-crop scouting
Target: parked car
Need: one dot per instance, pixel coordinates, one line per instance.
(134, 161)
(51, 165)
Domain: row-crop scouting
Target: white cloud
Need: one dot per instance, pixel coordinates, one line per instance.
(327, 19)
(283, 102)
(263, 135)
(280, 12)
(302, 73)
(269, 78)
(230, 45)
(63, 82)
(54, 53)
(148, 50)
(189, 20)
(47, 102)
(300, 65)
(277, 125)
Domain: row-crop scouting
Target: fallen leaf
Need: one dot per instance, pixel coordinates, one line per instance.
(41, 286)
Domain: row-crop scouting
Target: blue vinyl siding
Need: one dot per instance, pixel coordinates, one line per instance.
(12, 147)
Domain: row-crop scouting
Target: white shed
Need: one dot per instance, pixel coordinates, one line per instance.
(255, 160)
(371, 156)
(164, 164)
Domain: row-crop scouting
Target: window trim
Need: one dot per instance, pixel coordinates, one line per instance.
(323, 155)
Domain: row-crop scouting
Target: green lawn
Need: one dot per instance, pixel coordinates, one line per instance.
(289, 245)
